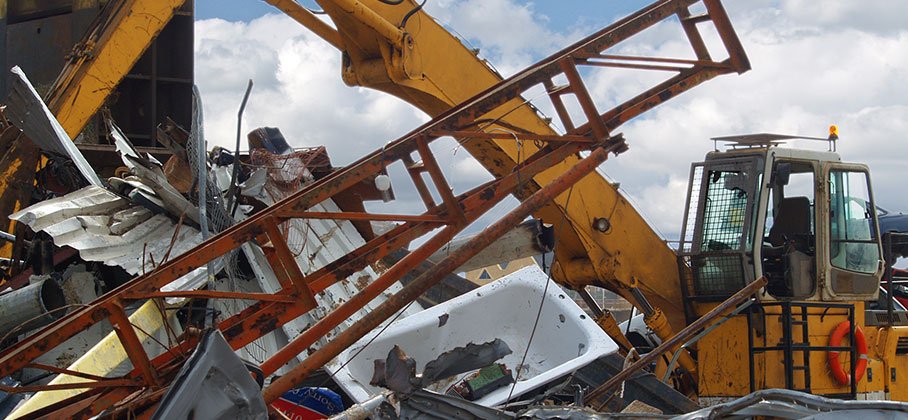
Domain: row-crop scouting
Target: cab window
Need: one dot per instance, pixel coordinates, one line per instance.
(851, 223)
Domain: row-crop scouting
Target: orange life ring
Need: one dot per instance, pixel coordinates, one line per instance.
(835, 340)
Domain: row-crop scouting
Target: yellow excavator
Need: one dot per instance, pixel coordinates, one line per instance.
(803, 220)
(817, 242)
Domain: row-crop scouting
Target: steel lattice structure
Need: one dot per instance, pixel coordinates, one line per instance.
(445, 217)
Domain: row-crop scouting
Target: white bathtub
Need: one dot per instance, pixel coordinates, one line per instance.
(566, 338)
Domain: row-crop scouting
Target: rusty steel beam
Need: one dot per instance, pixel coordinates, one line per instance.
(214, 294)
(296, 296)
(347, 215)
(428, 279)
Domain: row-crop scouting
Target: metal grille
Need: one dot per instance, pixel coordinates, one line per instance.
(717, 274)
(218, 217)
(713, 236)
(901, 347)
(724, 212)
(690, 215)
(215, 210)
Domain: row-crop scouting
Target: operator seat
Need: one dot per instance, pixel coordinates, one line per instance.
(792, 219)
(786, 262)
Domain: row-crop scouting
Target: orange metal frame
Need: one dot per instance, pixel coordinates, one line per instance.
(150, 377)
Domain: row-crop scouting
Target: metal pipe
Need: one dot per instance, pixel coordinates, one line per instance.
(428, 279)
(529, 238)
(595, 310)
(231, 192)
(606, 321)
(198, 138)
(304, 17)
(23, 308)
(656, 320)
(7, 237)
(889, 263)
(677, 339)
(645, 306)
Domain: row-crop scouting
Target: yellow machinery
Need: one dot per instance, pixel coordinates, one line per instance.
(92, 71)
(819, 276)
(805, 221)
(744, 354)
(426, 66)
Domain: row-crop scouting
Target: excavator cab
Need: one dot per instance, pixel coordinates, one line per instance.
(806, 221)
(801, 218)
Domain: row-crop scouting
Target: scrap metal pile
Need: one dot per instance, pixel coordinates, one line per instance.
(254, 283)
(151, 214)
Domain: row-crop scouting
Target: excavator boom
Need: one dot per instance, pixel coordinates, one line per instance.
(540, 176)
(401, 50)
(492, 119)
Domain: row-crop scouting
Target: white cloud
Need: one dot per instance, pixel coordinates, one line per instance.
(805, 76)
(510, 34)
(843, 63)
(297, 88)
(875, 16)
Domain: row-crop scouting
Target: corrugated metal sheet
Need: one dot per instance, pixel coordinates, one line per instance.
(106, 227)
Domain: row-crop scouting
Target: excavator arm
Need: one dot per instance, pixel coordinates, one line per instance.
(401, 50)
(601, 239)
(97, 64)
(590, 251)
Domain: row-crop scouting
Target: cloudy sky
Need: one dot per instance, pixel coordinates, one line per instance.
(844, 63)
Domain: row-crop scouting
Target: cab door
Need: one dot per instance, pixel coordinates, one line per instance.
(853, 257)
(788, 248)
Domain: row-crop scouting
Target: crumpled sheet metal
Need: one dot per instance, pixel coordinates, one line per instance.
(464, 359)
(107, 228)
(398, 372)
(783, 403)
(151, 173)
(31, 115)
(421, 405)
(89, 201)
(772, 403)
(213, 384)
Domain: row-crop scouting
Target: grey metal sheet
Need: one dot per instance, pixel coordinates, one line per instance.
(89, 201)
(213, 384)
(31, 115)
(107, 228)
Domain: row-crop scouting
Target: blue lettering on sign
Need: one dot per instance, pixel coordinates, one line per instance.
(322, 400)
